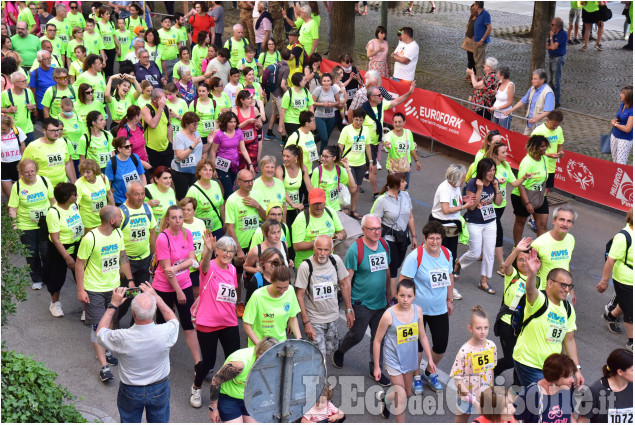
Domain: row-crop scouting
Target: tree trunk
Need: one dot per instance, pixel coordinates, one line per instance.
(541, 25)
(343, 38)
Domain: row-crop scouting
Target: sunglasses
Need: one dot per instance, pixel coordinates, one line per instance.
(88, 92)
(127, 146)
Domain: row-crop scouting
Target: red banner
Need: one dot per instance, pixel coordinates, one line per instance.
(434, 115)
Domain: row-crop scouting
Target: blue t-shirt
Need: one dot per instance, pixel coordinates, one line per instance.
(622, 117)
(485, 214)
(431, 300)
(480, 26)
(550, 101)
(126, 172)
(152, 74)
(369, 288)
(43, 81)
(561, 38)
(556, 408)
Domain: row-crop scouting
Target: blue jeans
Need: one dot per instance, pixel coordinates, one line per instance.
(503, 122)
(527, 374)
(227, 179)
(155, 399)
(324, 127)
(554, 72)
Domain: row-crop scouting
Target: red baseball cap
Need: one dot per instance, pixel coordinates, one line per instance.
(317, 195)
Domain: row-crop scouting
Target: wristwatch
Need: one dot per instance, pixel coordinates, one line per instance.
(212, 409)
(349, 310)
(111, 305)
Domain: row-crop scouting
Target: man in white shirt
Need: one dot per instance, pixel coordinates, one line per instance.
(231, 88)
(406, 56)
(219, 66)
(137, 44)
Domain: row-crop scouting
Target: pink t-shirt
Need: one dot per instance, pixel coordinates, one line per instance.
(228, 148)
(136, 140)
(177, 250)
(317, 414)
(217, 305)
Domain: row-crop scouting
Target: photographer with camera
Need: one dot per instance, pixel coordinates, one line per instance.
(144, 354)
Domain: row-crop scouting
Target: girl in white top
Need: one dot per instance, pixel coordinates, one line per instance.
(504, 98)
(12, 148)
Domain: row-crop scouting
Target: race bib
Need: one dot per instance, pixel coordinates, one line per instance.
(358, 147)
(64, 38)
(208, 222)
(106, 39)
(103, 158)
(333, 195)
(250, 222)
(138, 235)
(323, 291)
(122, 40)
(482, 361)
(299, 103)
(55, 159)
(503, 190)
(294, 196)
(351, 93)
(78, 230)
(176, 128)
(249, 134)
(98, 205)
(328, 111)
(132, 176)
(487, 211)
(35, 215)
(401, 147)
(99, 96)
(378, 262)
(109, 263)
(537, 187)
(171, 42)
(620, 416)
(222, 164)
(180, 272)
(198, 246)
(189, 161)
(439, 279)
(226, 293)
(313, 154)
(209, 126)
(520, 291)
(407, 333)
(555, 333)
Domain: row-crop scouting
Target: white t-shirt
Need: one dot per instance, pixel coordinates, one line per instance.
(411, 51)
(132, 57)
(11, 145)
(232, 91)
(222, 69)
(446, 193)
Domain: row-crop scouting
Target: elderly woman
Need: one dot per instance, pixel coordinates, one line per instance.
(504, 98)
(187, 64)
(377, 52)
(270, 189)
(185, 83)
(484, 88)
(93, 193)
(188, 150)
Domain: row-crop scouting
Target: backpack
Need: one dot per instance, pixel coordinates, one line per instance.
(420, 254)
(270, 78)
(126, 214)
(308, 261)
(540, 312)
(307, 215)
(360, 249)
(113, 164)
(337, 168)
(196, 103)
(306, 93)
(229, 42)
(208, 200)
(88, 136)
(94, 243)
(127, 21)
(26, 99)
(609, 244)
(153, 112)
(55, 94)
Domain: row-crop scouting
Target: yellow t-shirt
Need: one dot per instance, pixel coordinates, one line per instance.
(101, 254)
(32, 201)
(67, 222)
(621, 272)
(91, 198)
(51, 159)
(553, 254)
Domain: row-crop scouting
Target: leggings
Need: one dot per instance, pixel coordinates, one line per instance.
(111, 55)
(182, 182)
(499, 226)
(55, 267)
(439, 331)
(208, 341)
(508, 342)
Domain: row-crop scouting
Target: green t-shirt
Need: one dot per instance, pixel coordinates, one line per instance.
(72, 132)
(27, 47)
(194, 71)
(257, 238)
(328, 224)
(82, 110)
(64, 30)
(198, 229)
(543, 336)
(206, 210)
(98, 148)
(166, 200)
(278, 312)
(25, 15)
(556, 138)
(198, 54)
(97, 82)
(269, 195)
(244, 218)
(93, 43)
(155, 54)
(222, 102)
(400, 147)
(136, 234)
(182, 32)
(329, 183)
(32, 201)
(169, 43)
(76, 20)
(58, 45)
(68, 223)
(51, 159)
(576, 5)
(553, 254)
(75, 68)
(179, 107)
(91, 198)
(369, 287)
(101, 253)
(505, 175)
(621, 272)
(292, 186)
(107, 31)
(294, 103)
(529, 165)
(255, 89)
(235, 388)
(22, 116)
(591, 6)
(370, 124)
(70, 52)
(119, 108)
(132, 23)
(205, 112)
(307, 143)
(267, 58)
(515, 288)
(124, 38)
(253, 65)
(53, 99)
(309, 31)
(236, 50)
(157, 138)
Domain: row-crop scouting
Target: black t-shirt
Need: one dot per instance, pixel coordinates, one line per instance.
(486, 213)
(353, 86)
(608, 406)
(533, 403)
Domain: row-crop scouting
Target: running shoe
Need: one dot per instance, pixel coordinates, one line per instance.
(56, 309)
(83, 316)
(615, 328)
(378, 166)
(531, 223)
(383, 381)
(417, 385)
(338, 359)
(110, 359)
(105, 374)
(195, 397)
(570, 43)
(271, 137)
(606, 317)
(381, 398)
(576, 41)
(433, 382)
(37, 286)
(456, 295)
(366, 177)
(240, 310)
(629, 346)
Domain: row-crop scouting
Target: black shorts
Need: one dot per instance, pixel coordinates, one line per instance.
(591, 17)
(521, 211)
(439, 330)
(374, 149)
(358, 173)
(183, 309)
(550, 180)
(9, 171)
(624, 297)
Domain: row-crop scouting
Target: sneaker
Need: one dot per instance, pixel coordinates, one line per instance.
(531, 223)
(366, 177)
(576, 41)
(570, 43)
(615, 328)
(338, 359)
(110, 359)
(378, 166)
(195, 397)
(383, 381)
(606, 317)
(433, 382)
(56, 309)
(598, 46)
(83, 316)
(381, 398)
(271, 137)
(240, 310)
(417, 385)
(37, 286)
(105, 374)
(629, 346)
(456, 295)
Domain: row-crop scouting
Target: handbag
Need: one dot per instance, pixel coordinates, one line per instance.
(605, 143)
(468, 44)
(197, 301)
(605, 13)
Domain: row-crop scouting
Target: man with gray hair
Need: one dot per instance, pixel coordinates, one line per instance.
(148, 70)
(52, 100)
(158, 133)
(144, 354)
(540, 100)
(41, 79)
(137, 46)
(557, 49)
(309, 31)
(236, 44)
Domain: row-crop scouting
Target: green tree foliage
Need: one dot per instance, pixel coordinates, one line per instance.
(14, 278)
